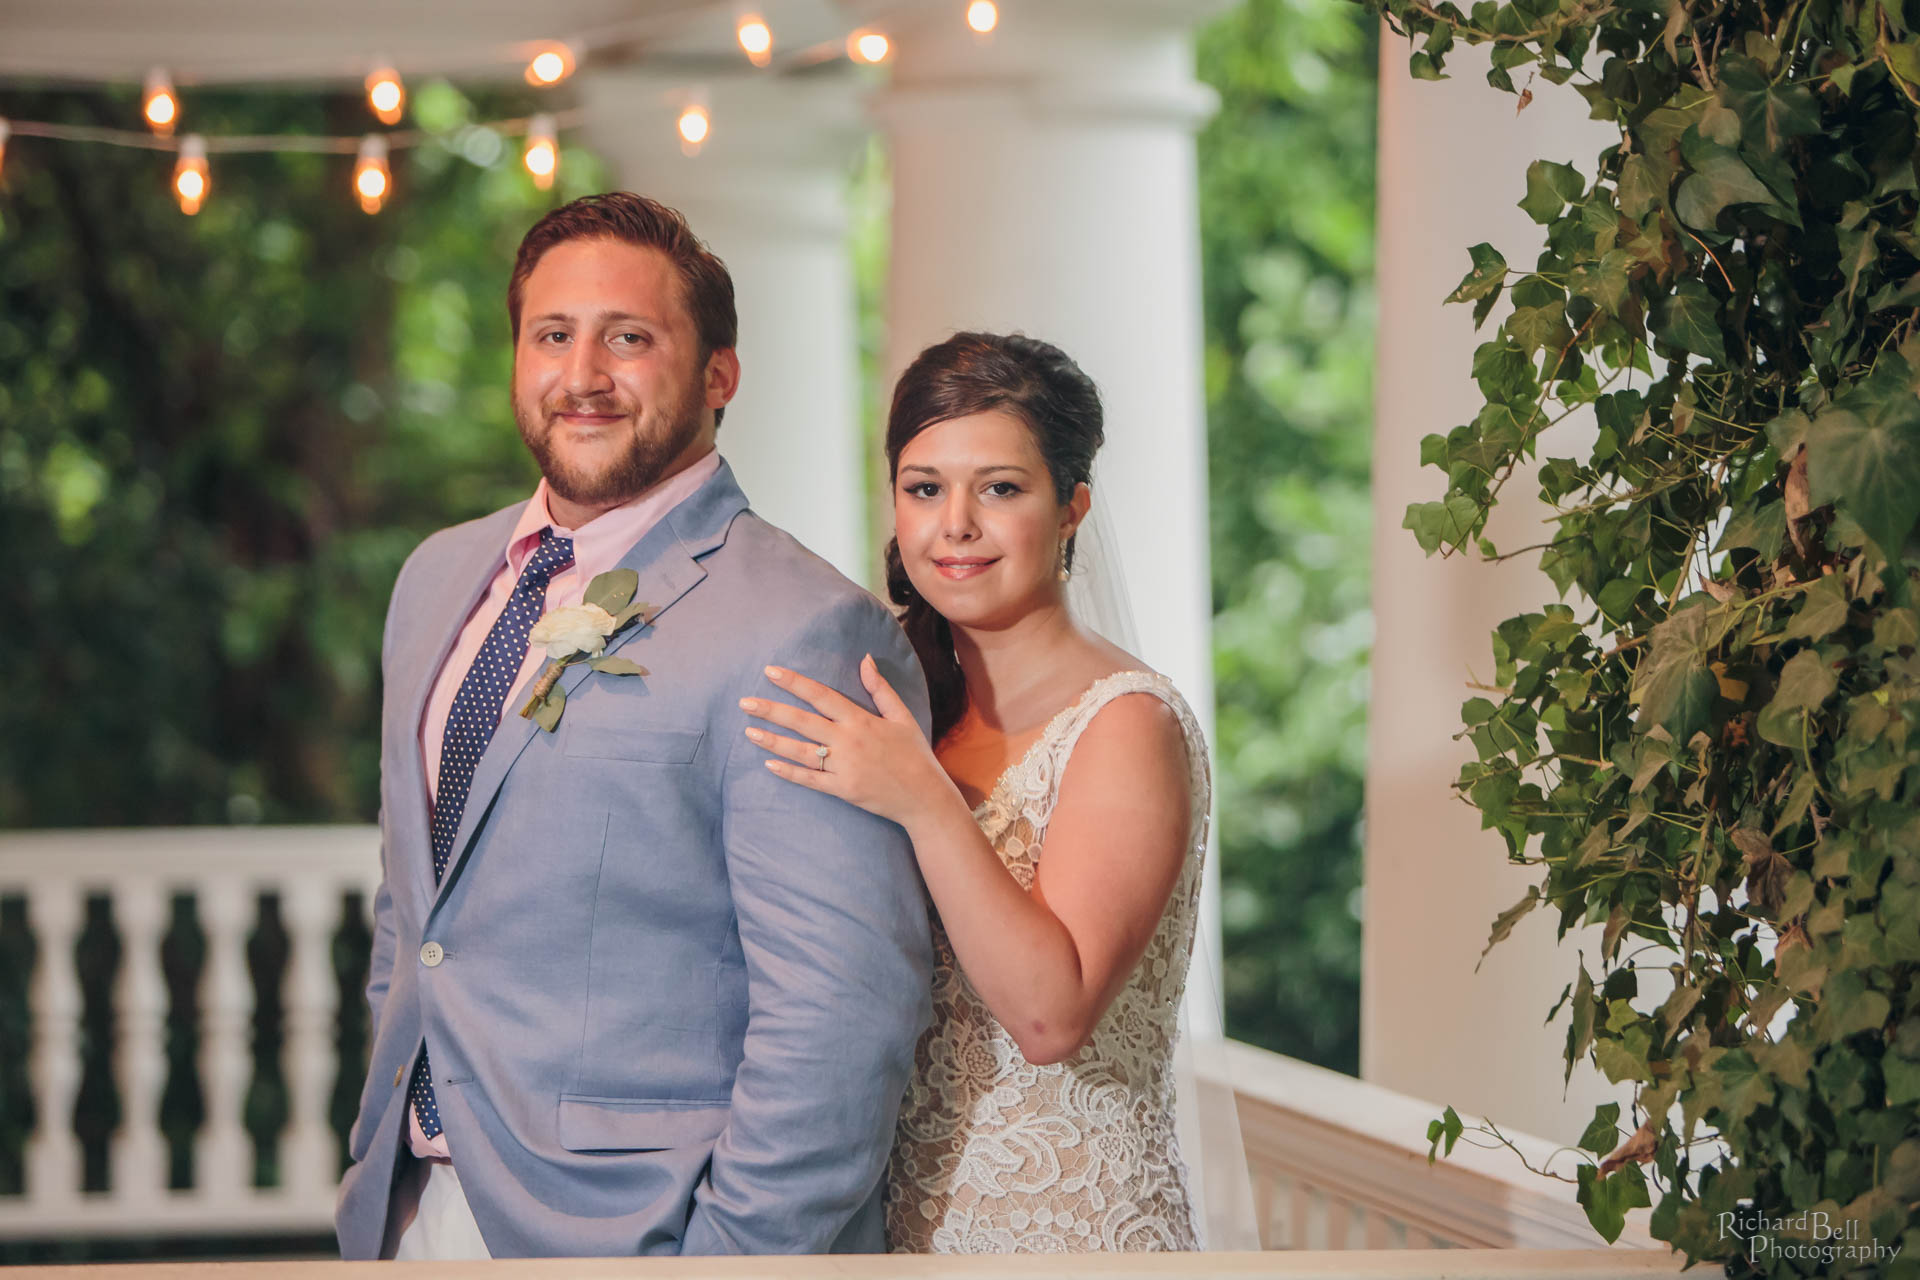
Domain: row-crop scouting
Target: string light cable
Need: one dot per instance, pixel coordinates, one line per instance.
(546, 63)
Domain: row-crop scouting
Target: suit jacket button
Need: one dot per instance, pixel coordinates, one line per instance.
(432, 954)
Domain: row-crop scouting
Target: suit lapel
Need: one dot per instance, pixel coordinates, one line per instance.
(667, 562)
(449, 599)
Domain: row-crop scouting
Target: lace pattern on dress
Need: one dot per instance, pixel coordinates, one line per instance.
(996, 1155)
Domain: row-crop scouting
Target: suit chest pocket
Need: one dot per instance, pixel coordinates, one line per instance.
(608, 739)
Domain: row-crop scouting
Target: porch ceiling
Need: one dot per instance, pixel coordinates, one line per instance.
(207, 42)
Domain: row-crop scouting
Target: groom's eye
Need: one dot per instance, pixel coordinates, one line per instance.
(638, 338)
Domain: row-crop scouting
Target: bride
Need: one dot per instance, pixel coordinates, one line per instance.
(1059, 821)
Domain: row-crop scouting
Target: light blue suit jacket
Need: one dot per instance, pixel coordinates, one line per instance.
(675, 998)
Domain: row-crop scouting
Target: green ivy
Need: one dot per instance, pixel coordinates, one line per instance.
(1713, 756)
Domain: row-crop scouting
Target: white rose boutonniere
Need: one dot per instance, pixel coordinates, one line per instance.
(579, 633)
(577, 628)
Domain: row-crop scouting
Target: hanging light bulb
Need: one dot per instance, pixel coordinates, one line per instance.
(983, 16)
(551, 65)
(191, 180)
(371, 180)
(695, 124)
(159, 104)
(542, 156)
(757, 39)
(867, 46)
(385, 94)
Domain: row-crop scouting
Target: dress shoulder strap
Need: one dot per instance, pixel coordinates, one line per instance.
(1066, 728)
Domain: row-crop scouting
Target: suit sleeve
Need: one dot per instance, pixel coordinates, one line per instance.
(833, 924)
(380, 971)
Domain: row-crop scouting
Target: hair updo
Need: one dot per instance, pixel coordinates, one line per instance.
(1030, 380)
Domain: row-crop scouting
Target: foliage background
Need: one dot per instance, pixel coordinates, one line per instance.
(1286, 212)
(221, 435)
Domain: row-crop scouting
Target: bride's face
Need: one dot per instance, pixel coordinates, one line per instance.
(978, 523)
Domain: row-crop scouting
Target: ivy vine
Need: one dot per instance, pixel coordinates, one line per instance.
(1713, 756)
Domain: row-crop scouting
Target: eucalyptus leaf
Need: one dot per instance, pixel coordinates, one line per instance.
(611, 590)
(546, 712)
(617, 666)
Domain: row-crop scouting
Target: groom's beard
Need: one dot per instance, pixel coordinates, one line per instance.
(651, 446)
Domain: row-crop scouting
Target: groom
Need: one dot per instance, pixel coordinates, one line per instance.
(631, 992)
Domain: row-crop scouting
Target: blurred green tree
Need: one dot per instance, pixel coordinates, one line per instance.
(219, 437)
(1286, 210)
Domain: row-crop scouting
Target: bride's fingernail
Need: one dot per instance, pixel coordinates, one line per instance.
(776, 673)
(749, 704)
(755, 734)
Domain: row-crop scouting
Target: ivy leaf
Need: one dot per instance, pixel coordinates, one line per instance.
(1482, 285)
(1865, 457)
(1672, 685)
(1688, 319)
(1504, 922)
(611, 590)
(1805, 682)
(1550, 188)
(1603, 1134)
(1769, 113)
(1822, 609)
(1451, 521)
(1857, 252)
(1446, 1129)
(1607, 1199)
(1541, 328)
(1719, 178)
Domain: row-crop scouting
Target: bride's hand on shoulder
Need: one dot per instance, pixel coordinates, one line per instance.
(882, 763)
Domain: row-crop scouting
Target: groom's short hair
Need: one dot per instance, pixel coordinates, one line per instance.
(636, 220)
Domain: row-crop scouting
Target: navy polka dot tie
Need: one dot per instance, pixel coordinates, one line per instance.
(471, 720)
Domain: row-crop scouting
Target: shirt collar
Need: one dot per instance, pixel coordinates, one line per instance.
(600, 542)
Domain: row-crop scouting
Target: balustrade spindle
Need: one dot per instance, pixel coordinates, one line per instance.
(138, 1173)
(54, 910)
(223, 1162)
(309, 909)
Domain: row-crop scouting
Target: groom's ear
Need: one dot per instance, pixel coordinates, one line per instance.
(722, 377)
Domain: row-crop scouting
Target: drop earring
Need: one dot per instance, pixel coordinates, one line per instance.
(1065, 572)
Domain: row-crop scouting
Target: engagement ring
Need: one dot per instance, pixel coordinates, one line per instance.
(822, 753)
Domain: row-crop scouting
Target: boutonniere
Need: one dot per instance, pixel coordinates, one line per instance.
(579, 633)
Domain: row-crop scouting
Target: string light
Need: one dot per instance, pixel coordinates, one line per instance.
(695, 125)
(550, 66)
(867, 46)
(386, 95)
(542, 156)
(191, 180)
(983, 16)
(4, 131)
(756, 39)
(371, 179)
(159, 104)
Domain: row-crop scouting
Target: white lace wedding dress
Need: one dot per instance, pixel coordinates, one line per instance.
(996, 1155)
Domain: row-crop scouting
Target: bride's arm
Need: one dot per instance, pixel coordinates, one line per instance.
(1049, 962)
(1046, 962)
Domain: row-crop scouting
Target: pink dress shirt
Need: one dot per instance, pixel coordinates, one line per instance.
(598, 546)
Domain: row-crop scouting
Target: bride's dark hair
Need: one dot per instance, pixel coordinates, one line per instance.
(1033, 381)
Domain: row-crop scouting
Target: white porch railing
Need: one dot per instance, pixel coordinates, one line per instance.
(1337, 1164)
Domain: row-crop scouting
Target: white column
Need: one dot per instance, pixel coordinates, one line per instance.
(1452, 164)
(1044, 181)
(767, 192)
